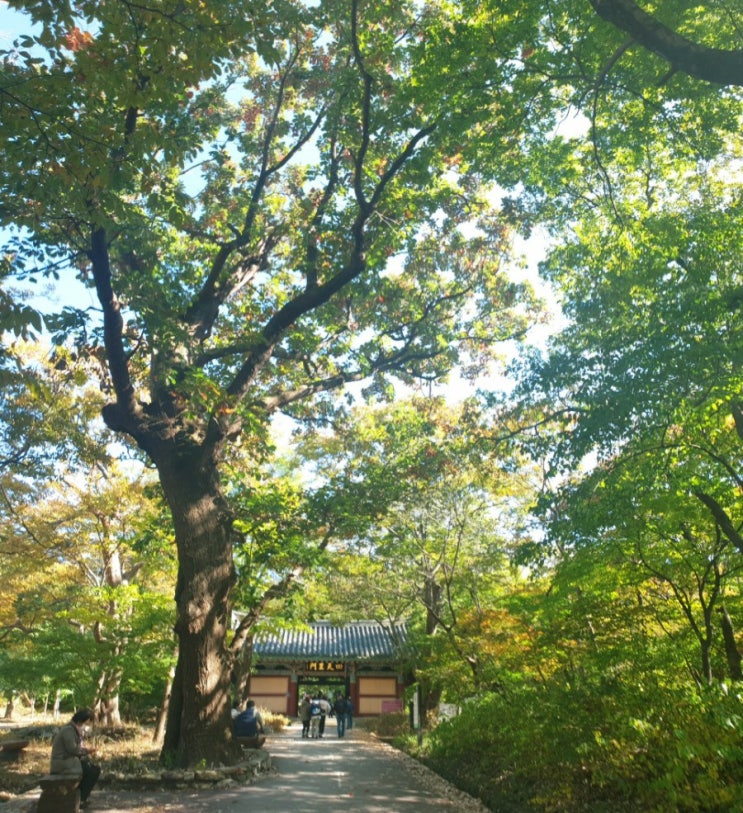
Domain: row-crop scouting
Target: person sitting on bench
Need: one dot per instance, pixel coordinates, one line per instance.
(70, 756)
(249, 727)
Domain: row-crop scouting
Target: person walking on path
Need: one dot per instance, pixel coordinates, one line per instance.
(315, 714)
(71, 756)
(305, 714)
(349, 713)
(324, 712)
(339, 707)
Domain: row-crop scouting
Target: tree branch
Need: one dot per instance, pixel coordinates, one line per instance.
(218, 286)
(722, 519)
(709, 64)
(123, 415)
(277, 590)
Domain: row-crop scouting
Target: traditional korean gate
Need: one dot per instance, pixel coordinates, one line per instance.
(363, 659)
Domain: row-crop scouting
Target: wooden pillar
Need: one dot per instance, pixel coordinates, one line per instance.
(353, 688)
(292, 705)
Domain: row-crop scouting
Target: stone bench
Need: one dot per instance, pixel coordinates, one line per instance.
(60, 793)
(12, 749)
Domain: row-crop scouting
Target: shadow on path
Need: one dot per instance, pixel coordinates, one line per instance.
(353, 773)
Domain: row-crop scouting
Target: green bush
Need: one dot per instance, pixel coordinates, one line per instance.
(606, 748)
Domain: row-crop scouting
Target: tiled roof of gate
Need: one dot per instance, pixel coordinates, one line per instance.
(358, 640)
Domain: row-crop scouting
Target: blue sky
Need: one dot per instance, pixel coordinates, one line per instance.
(12, 23)
(69, 291)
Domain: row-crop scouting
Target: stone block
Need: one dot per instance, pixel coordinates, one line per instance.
(59, 794)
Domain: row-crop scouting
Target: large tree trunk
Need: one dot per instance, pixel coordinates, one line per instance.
(198, 727)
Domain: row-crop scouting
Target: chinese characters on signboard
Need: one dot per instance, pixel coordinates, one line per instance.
(326, 666)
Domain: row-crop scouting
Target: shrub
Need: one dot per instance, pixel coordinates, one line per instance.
(389, 725)
(273, 721)
(610, 747)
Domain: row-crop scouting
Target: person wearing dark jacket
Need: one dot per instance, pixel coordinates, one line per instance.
(322, 701)
(249, 727)
(339, 707)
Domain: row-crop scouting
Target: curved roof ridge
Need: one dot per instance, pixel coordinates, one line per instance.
(352, 640)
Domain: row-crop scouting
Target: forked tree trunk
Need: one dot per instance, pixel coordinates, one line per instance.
(106, 705)
(198, 723)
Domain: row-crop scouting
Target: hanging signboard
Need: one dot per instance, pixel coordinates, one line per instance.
(329, 667)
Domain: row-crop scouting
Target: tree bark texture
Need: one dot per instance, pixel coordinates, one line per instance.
(199, 712)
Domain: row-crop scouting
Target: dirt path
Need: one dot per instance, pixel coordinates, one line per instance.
(356, 773)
